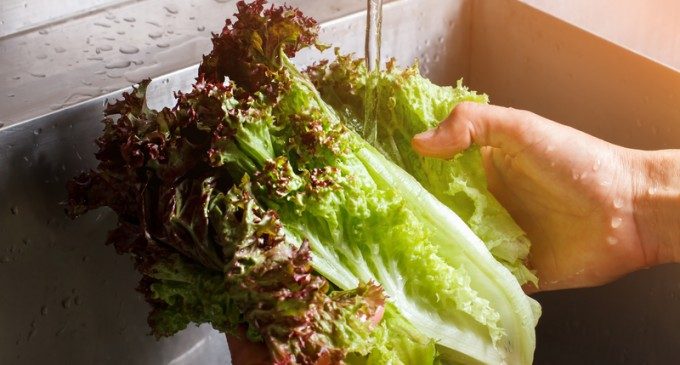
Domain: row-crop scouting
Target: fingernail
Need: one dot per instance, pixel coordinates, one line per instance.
(425, 135)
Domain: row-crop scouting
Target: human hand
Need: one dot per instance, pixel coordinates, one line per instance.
(574, 194)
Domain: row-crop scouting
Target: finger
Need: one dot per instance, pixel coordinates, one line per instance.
(485, 125)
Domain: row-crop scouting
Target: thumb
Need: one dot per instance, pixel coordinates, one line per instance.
(485, 125)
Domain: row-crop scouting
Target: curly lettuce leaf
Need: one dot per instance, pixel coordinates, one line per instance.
(207, 249)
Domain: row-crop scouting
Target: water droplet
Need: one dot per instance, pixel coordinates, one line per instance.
(31, 332)
(109, 38)
(103, 48)
(128, 49)
(154, 24)
(61, 330)
(129, 19)
(113, 75)
(170, 31)
(117, 64)
(155, 35)
(549, 148)
(43, 31)
(43, 310)
(651, 190)
(200, 28)
(14, 210)
(171, 9)
(605, 183)
(76, 300)
(596, 166)
(16, 77)
(612, 240)
(86, 258)
(162, 45)
(618, 203)
(37, 131)
(109, 16)
(103, 25)
(66, 303)
(120, 32)
(10, 95)
(95, 58)
(616, 222)
(59, 49)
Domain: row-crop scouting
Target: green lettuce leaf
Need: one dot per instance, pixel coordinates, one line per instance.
(409, 104)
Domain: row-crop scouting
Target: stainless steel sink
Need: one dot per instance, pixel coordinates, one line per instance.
(67, 299)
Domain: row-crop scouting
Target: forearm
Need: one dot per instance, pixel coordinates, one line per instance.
(657, 205)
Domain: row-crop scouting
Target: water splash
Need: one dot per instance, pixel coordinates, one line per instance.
(372, 54)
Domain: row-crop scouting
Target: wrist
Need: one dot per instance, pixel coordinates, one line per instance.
(656, 204)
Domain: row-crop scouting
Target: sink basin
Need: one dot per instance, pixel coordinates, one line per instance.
(69, 299)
